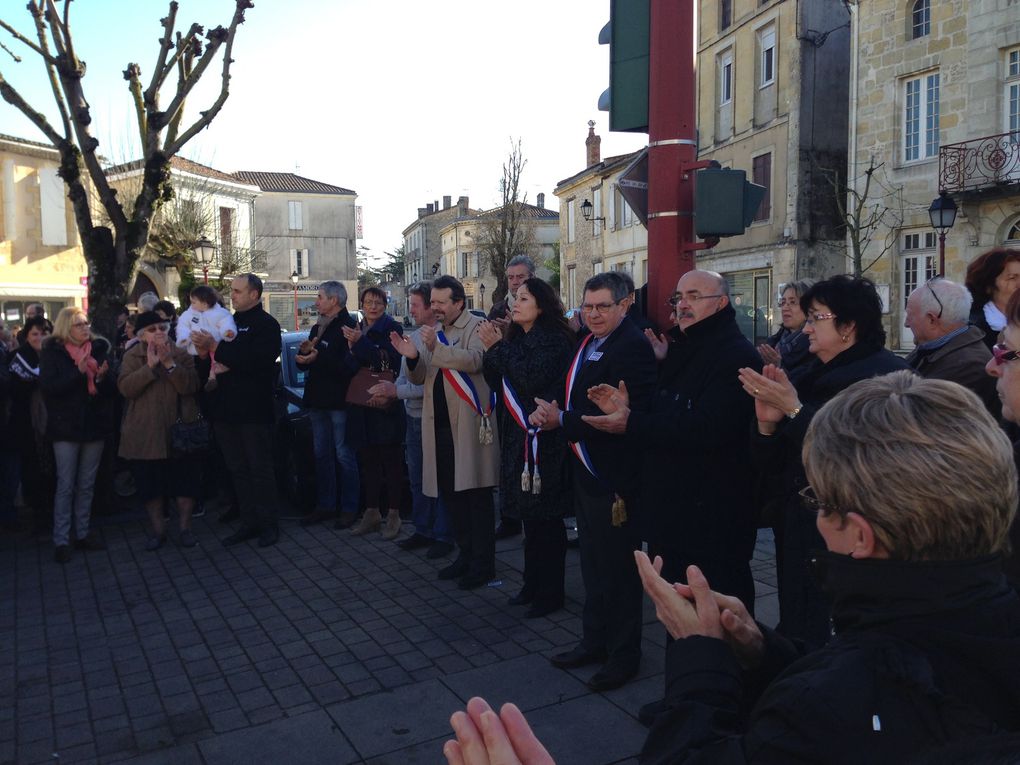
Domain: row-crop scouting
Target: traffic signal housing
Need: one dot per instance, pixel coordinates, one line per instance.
(627, 35)
(724, 202)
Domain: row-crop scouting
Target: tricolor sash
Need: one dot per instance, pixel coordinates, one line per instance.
(531, 480)
(464, 387)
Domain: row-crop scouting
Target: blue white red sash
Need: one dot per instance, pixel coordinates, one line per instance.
(578, 447)
(531, 480)
(464, 387)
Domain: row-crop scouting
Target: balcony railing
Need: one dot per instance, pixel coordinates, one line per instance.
(981, 165)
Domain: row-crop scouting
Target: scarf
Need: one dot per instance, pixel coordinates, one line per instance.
(84, 351)
(996, 319)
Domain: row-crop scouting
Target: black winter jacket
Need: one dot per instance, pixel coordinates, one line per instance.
(926, 654)
(330, 374)
(244, 395)
(374, 350)
(71, 413)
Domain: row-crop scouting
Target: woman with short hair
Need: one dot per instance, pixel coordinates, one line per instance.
(788, 347)
(992, 278)
(79, 389)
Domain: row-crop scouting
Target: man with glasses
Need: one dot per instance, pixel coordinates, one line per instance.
(695, 464)
(606, 473)
(947, 346)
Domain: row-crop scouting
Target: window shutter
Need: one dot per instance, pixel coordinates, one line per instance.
(612, 207)
(294, 262)
(304, 262)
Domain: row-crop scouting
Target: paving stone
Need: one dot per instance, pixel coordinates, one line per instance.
(311, 738)
(529, 681)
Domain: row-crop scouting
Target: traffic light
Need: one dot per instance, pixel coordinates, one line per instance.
(724, 202)
(626, 34)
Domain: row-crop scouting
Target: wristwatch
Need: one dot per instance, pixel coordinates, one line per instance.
(172, 367)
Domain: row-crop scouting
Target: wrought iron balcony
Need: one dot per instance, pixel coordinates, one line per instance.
(988, 165)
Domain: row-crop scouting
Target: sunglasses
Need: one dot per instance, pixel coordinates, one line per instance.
(1002, 354)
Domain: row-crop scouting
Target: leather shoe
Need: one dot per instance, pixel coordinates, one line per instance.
(577, 657)
(611, 676)
(537, 611)
(508, 528)
(345, 521)
(243, 534)
(522, 598)
(316, 516)
(648, 712)
(474, 581)
(439, 550)
(414, 542)
(62, 553)
(91, 541)
(269, 537)
(455, 570)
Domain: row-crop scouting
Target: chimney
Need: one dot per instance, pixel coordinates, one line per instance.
(421, 212)
(435, 205)
(593, 145)
(462, 207)
(540, 201)
(429, 208)
(447, 201)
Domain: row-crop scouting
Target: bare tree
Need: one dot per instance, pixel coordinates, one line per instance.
(506, 231)
(865, 208)
(112, 251)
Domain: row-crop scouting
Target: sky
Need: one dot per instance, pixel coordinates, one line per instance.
(403, 101)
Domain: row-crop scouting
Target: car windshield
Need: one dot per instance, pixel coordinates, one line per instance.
(292, 376)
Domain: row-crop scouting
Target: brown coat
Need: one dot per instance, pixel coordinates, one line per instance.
(151, 396)
(962, 360)
(475, 465)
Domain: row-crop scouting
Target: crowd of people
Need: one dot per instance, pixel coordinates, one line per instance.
(683, 443)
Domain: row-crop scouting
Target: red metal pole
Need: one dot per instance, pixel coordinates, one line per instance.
(205, 274)
(672, 142)
(295, 309)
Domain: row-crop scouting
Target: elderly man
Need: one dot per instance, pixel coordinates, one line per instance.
(244, 409)
(431, 526)
(948, 348)
(696, 462)
(606, 477)
(460, 445)
(518, 270)
(331, 366)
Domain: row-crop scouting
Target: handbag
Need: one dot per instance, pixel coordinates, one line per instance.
(365, 378)
(188, 438)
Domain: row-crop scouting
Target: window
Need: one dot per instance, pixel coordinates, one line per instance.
(920, 19)
(918, 264)
(570, 220)
(921, 117)
(572, 285)
(299, 262)
(1013, 237)
(725, 14)
(625, 216)
(53, 220)
(1012, 95)
(767, 45)
(295, 214)
(596, 229)
(597, 267)
(761, 171)
(226, 231)
(726, 77)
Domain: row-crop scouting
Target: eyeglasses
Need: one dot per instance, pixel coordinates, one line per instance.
(674, 299)
(598, 308)
(792, 302)
(153, 328)
(928, 285)
(1002, 354)
(816, 317)
(81, 324)
(815, 505)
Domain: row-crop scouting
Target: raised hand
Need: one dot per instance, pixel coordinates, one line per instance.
(351, 334)
(660, 344)
(489, 333)
(769, 355)
(428, 338)
(773, 393)
(403, 345)
(741, 630)
(151, 357)
(546, 416)
(485, 738)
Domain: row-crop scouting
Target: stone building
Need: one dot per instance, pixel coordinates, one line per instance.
(613, 240)
(422, 243)
(935, 100)
(307, 228)
(462, 256)
(772, 101)
(41, 258)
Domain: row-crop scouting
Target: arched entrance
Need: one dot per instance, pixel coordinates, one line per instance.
(143, 284)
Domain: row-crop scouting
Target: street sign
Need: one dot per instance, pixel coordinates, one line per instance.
(633, 185)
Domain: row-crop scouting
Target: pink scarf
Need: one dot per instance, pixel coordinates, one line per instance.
(84, 351)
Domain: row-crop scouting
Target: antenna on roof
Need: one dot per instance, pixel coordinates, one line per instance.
(297, 169)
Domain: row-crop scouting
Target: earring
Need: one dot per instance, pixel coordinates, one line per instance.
(846, 338)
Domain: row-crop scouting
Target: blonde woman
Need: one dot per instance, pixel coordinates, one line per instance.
(79, 392)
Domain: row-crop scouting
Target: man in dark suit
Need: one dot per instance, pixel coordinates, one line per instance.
(605, 483)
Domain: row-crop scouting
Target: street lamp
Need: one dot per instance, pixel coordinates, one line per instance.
(586, 211)
(294, 280)
(943, 215)
(481, 293)
(204, 253)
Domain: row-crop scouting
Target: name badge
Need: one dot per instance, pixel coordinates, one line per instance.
(595, 356)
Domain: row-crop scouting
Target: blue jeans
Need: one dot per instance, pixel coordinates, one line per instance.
(330, 444)
(427, 513)
(77, 465)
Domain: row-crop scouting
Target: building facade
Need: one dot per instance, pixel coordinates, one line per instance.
(463, 255)
(772, 101)
(423, 247)
(935, 100)
(41, 259)
(613, 240)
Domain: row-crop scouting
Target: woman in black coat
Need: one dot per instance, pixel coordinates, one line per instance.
(530, 362)
(788, 348)
(80, 393)
(844, 324)
(382, 455)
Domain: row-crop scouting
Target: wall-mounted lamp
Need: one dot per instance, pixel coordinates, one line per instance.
(586, 211)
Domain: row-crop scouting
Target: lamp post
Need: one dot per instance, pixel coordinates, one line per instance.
(943, 215)
(481, 295)
(586, 211)
(204, 253)
(294, 280)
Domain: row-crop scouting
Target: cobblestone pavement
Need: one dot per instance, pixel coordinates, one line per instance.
(324, 648)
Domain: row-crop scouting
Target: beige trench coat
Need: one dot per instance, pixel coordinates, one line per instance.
(475, 465)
